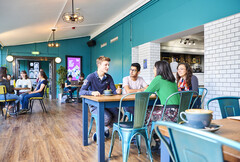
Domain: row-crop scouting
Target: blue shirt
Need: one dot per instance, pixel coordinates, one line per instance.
(39, 85)
(68, 82)
(94, 83)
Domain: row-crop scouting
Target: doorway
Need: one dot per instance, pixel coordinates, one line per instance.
(32, 65)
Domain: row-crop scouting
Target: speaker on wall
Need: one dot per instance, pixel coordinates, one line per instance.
(91, 43)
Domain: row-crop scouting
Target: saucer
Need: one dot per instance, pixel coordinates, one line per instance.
(212, 128)
(107, 94)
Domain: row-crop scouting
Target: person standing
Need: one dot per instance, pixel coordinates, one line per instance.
(94, 85)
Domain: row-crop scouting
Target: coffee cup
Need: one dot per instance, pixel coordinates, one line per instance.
(25, 86)
(19, 86)
(197, 118)
(107, 92)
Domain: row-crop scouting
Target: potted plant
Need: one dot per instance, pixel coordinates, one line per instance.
(62, 72)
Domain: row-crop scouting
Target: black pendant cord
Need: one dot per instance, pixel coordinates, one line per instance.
(72, 7)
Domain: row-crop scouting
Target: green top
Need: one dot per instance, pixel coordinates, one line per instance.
(164, 88)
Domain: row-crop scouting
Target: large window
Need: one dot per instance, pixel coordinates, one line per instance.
(74, 66)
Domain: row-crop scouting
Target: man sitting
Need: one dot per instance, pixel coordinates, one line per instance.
(133, 83)
(94, 85)
(68, 87)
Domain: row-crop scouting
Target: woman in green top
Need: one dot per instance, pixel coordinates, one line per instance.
(164, 85)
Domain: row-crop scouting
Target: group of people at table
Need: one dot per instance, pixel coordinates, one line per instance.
(164, 84)
(25, 93)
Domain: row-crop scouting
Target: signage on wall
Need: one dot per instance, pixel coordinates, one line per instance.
(74, 66)
(145, 64)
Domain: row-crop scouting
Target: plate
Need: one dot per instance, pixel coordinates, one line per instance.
(107, 94)
(212, 128)
(234, 117)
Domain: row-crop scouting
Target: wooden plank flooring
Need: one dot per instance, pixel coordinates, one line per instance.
(55, 136)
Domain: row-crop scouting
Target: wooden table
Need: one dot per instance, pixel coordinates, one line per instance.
(18, 89)
(230, 129)
(102, 102)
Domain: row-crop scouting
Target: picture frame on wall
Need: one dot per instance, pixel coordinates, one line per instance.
(74, 66)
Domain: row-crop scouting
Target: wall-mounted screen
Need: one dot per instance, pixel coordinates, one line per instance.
(74, 66)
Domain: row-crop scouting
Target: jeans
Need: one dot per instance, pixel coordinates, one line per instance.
(110, 115)
(25, 98)
(70, 90)
(10, 96)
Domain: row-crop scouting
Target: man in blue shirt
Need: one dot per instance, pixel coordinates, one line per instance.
(95, 84)
(68, 87)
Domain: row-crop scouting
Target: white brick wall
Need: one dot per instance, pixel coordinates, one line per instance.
(222, 59)
(149, 51)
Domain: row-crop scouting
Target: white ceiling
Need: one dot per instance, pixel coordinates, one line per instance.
(30, 21)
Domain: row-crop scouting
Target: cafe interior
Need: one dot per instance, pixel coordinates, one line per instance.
(172, 89)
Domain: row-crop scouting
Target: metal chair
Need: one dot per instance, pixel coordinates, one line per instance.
(127, 115)
(203, 92)
(3, 91)
(229, 105)
(189, 144)
(185, 98)
(93, 117)
(32, 99)
(127, 130)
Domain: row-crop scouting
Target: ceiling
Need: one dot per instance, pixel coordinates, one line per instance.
(174, 46)
(31, 21)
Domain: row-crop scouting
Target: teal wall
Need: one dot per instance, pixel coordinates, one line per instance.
(157, 19)
(75, 47)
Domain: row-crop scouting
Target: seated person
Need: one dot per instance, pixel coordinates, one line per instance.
(95, 84)
(3, 81)
(9, 77)
(81, 79)
(38, 92)
(164, 85)
(68, 87)
(133, 83)
(24, 82)
(186, 81)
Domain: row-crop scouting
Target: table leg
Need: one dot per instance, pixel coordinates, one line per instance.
(18, 104)
(165, 156)
(100, 133)
(85, 122)
(78, 89)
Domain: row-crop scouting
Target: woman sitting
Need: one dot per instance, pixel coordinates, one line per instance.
(38, 92)
(24, 82)
(3, 81)
(185, 79)
(164, 85)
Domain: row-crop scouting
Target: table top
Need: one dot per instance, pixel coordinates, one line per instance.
(230, 129)
(103, 98)
(76, 86)
(20, 88)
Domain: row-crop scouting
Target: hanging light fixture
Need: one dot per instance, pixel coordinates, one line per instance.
(53, 43)
(9, 58)
(58, 60)
(73, 17)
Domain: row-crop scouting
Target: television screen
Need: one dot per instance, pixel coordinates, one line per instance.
(74, 66)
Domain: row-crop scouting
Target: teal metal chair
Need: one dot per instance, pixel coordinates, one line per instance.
(229, 105)
(127, 130)
(189, 144)
(93, 117)
(203, 92)
(185, 100)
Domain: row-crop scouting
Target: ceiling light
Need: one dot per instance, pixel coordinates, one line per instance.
(187, 41)
(9, 58)
(73, 17)
(53, 43)
(58, 60)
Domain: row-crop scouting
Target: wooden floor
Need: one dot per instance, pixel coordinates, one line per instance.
(55, 136)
